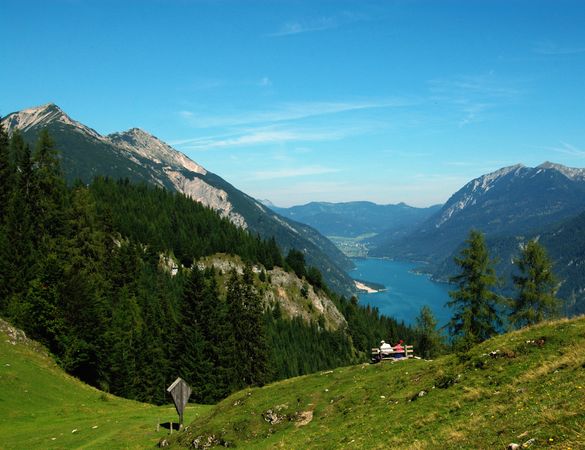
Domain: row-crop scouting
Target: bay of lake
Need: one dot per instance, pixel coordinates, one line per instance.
(406, 291)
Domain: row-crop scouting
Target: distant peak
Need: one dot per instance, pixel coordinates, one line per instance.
(133, 133)
(46, 108)
(136, 130)
(551, 165)
(39, 116)
(570, 172)
(502, 172)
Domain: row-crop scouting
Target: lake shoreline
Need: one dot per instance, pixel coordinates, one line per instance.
(406, 290)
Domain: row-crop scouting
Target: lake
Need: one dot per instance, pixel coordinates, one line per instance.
(406, 292)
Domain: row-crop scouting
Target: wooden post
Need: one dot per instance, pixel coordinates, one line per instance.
(180, 391)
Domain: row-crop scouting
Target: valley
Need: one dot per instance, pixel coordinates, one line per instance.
(329, 224)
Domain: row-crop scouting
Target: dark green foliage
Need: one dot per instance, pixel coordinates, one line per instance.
(250, 351)
(297, 348)
(429, 342)
(204, 343)
(85, 270)
(474, 303)
(296, 261)
(537, 286)
(173, 222)
(5, 172)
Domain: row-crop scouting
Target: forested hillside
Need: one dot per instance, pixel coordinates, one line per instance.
(103, 276)
(142, 157)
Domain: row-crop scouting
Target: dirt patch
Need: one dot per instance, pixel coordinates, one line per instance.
(303, 418)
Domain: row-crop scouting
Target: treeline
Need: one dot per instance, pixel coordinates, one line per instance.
(81, 271)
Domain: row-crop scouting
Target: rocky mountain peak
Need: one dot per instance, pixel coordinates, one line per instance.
(570, 172)
(43, 116)
(469, 194)
(139, 142)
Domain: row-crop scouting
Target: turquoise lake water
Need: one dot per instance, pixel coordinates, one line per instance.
(406, 292)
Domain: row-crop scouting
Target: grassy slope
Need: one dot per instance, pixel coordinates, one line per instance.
(528, 390)
(40, 406)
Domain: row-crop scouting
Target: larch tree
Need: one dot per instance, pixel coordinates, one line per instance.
(537, 287)
(474, 302)
(429, 341)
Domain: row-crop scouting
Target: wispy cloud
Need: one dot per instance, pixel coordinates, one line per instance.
(485, 85)
(318, 24)
(472, 113)
(550, 48)
(471, 96)
(293, 172)
(288, 112)
(568, 149)
(261, 136)
(265, 82)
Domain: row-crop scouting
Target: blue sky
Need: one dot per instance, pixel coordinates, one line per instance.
(296, 101)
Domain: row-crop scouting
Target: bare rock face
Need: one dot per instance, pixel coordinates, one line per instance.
(295, 297)
(146, 145)
(207, 195)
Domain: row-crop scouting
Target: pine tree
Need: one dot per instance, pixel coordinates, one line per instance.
(537, 287)
(475, 303)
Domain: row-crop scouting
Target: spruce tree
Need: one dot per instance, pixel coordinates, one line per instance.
(537, 287)
(20, 247)
(48, 186)
(250, 351)
(5, 173)
(193, 366)
(475, 304)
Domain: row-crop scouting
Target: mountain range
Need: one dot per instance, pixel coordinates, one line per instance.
(509, 206)
(510, 201)
(139, 156)
(355, 219)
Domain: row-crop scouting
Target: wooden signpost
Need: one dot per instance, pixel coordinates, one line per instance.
(180, 391)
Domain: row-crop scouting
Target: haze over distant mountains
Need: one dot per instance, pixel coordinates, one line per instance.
(354, 219)
(142, 157)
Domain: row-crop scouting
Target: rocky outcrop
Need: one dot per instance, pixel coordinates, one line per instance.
(294, 297)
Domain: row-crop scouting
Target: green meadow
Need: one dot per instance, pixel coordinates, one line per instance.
(525, 387)
(41, 407)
